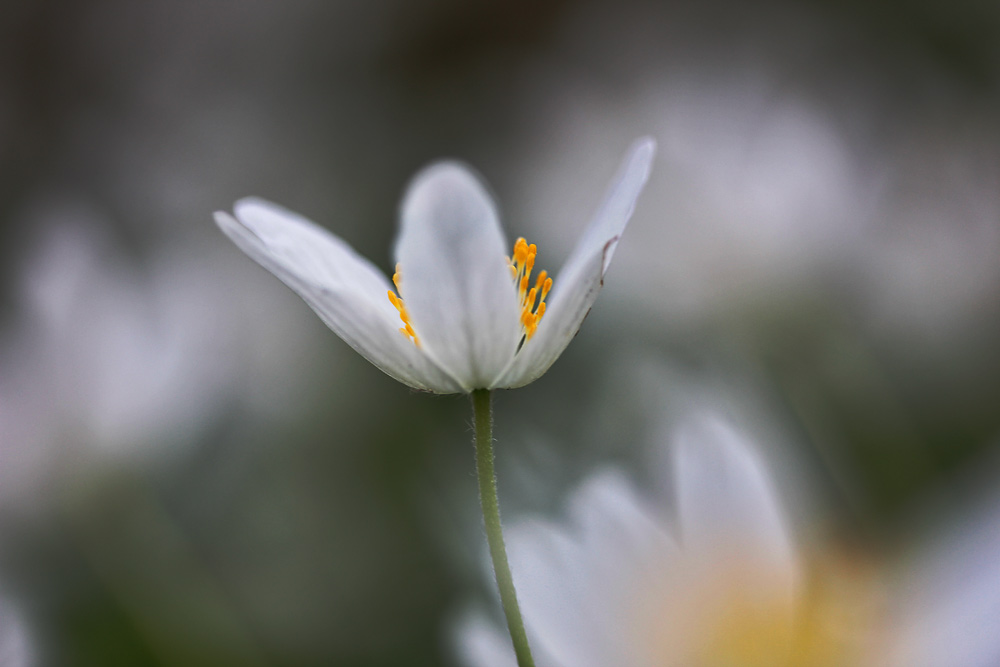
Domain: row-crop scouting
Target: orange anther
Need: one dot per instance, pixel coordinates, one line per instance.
(521, 252)
(521, 263)
(396, 301)
(397, 277)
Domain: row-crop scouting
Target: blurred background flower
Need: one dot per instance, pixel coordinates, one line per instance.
(704, 569)
(622, 584)
(193, 470)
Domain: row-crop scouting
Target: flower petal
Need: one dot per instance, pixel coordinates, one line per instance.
(730, 516)
(480, 643)
(455, 280)
(345, 290)
(579, 583)
(581, 278)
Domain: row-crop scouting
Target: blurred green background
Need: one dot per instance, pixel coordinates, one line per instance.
(194, 471)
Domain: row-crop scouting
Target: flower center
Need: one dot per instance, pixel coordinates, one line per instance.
(734, 620)
(531, 301)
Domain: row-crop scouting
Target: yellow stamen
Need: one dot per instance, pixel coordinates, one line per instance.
(394, 300)
(407, 328)
(520, 251)
(532, 301)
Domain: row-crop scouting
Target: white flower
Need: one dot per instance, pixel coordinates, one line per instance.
(466, 323)
(108, 366)
(719, 582)
(621, 586)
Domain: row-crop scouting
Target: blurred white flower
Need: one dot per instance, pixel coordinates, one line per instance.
(466, 323)
(783, 175)
(758, 193)
(621, 586)
(719, 583)
(107, 362)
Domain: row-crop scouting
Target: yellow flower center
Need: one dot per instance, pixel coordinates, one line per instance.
(735, 621)
(531, 301)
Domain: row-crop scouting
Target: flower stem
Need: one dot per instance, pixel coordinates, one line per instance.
(482, 410)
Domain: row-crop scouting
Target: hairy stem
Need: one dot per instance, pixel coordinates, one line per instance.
(482, 410)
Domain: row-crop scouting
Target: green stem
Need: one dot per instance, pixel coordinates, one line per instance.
(482, 410)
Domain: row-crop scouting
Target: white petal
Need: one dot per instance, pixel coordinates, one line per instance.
(346, 290)
(481, 643)
(455, 280)
(730, 517)
(580, 280)
(580, 585)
